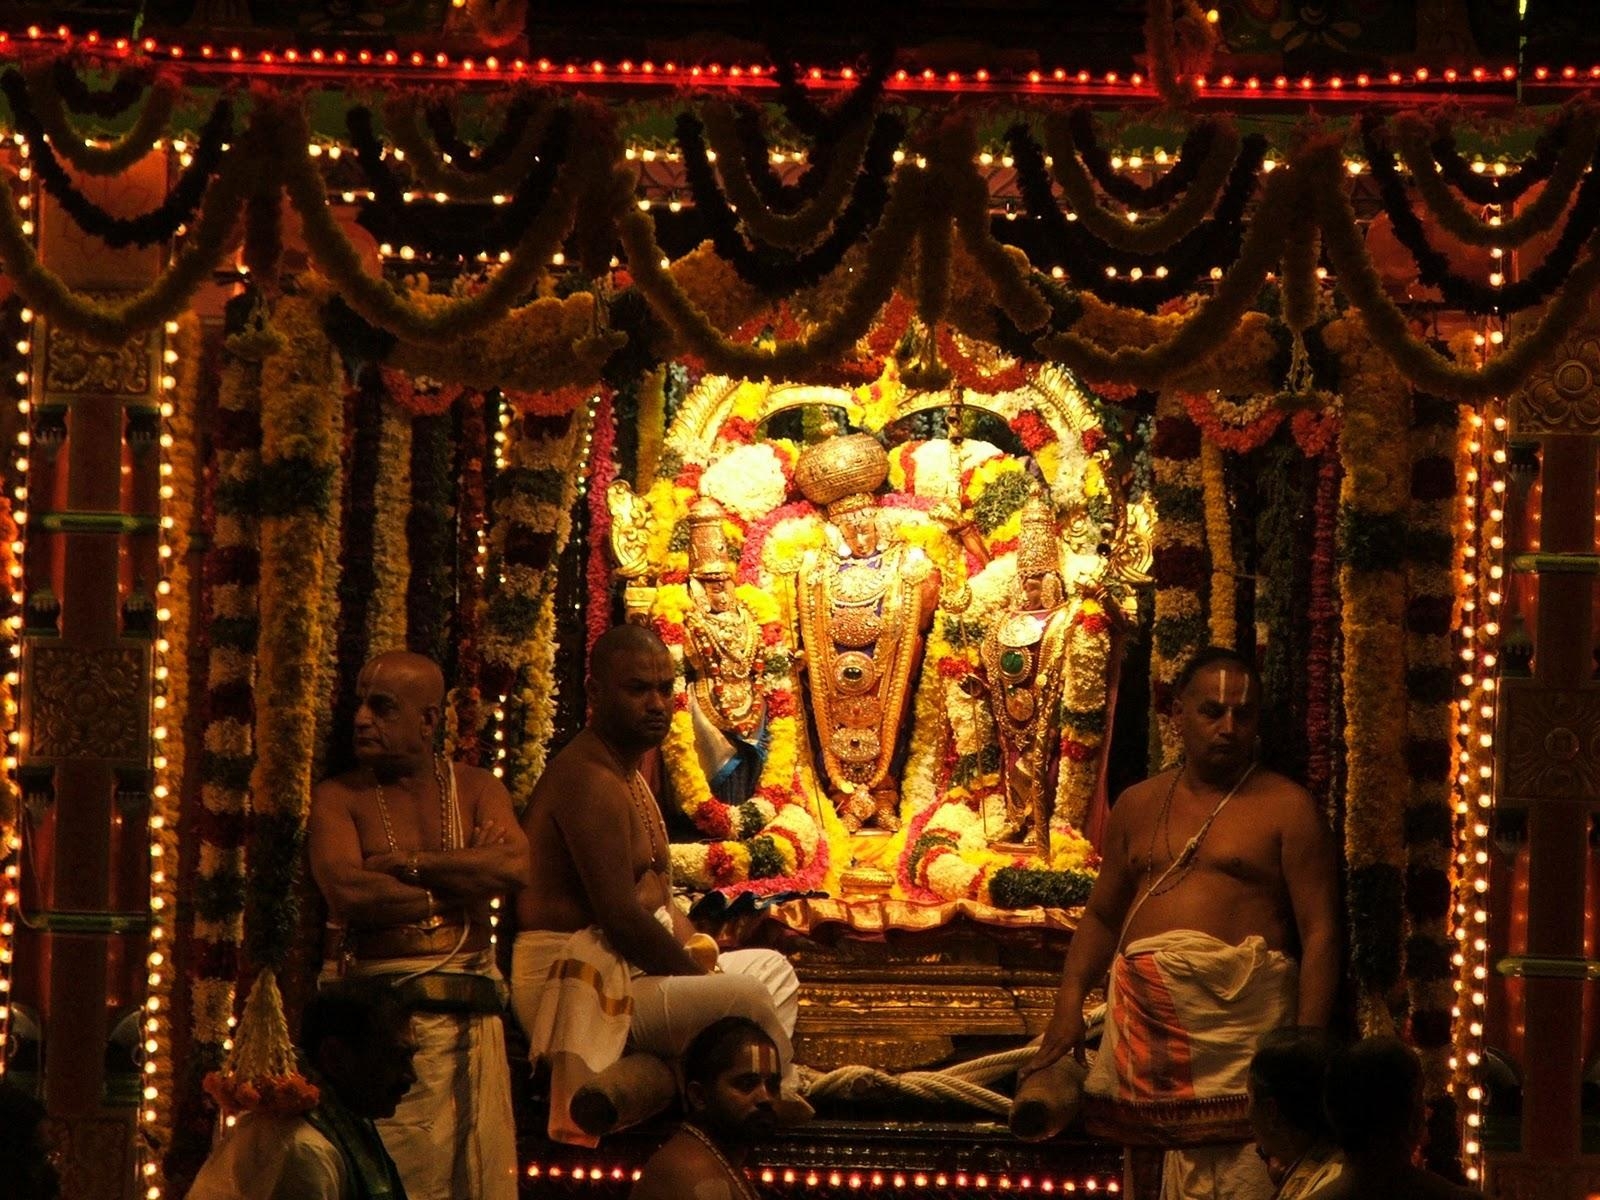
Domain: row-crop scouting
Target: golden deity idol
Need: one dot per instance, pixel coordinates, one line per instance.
(1024, 669)
(722, 643)
(864, 606)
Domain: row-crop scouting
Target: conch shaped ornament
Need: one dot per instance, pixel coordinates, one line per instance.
(630, 530)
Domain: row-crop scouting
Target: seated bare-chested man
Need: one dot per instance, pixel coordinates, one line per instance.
(1217, 876)
(409, 850)
(600, 960)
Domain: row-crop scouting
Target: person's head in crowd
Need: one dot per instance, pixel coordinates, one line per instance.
(1286, 1083)
(1374, 1099)
(25, 1162)
(731, 1081)
(630, 688)
(360, 1040)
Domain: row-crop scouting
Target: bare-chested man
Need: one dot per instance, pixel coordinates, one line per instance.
(1217, 875)
(409, 850)
(600, 959)
(730, 1086)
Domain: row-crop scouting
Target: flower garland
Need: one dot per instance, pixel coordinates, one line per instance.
(1181, 568)
(47, 102)
(232, 567)
(1322, 613)
(1372, 547)
(1084, 723)
(597, 566)
(1121, 231)
(299, 460)
(1223, 605)
(391, 506)
(326, 734)
(652, 425)
(1581, 128)
(430, 590)
(496, 170)
(156, 225)
(780, 272)
(1198, 146)
(807, 222)
(1240, 427)
(1283, 525)
(1490, 187)
(464, 706)
(108, 103)
(1432, 567)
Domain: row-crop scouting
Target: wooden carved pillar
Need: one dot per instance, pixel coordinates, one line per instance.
(91, 570)
(1549, 773)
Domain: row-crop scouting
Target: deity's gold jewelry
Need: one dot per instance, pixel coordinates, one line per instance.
(722, 649)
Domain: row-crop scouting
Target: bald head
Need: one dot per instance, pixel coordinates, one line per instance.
(400, 697)
(621, 642)
(416, 674)
(630, 687)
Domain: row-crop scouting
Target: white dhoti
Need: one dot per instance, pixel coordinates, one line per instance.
(1184, 1012)
(454, 1134)
(581, 1005)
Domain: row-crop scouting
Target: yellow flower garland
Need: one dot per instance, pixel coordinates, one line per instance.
(391, 502)
(1219, 541)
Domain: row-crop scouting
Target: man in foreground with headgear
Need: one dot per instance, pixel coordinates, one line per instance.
(410, 850)
(865, 604)
(604, 959)
(1216, 913)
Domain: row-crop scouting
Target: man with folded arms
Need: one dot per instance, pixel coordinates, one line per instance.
(410, 850)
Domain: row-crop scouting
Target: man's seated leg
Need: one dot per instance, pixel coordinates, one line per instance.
(757, 984)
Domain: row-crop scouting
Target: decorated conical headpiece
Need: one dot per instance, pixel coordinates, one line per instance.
(708, 546)
(1039, 547)
(842, 472)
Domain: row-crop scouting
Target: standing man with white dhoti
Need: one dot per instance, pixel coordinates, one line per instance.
(409, 850)
(1217, 876)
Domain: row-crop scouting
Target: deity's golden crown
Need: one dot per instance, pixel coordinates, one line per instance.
(842, 472)
(708, 546)
(1039, 546)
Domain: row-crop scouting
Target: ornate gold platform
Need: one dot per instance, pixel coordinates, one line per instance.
(880, 991)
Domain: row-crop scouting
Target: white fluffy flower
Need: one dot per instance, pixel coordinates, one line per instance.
(747, 481)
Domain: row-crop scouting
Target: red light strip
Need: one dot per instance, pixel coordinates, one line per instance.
(899, 1178)
(204, 57)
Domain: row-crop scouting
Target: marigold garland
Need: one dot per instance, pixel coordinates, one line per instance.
(1197, 146)
(597, 567)
(107, 103)
(465, 701)
(391, 505)
(1372, 546)
(1219, 544)
(71, 144)
(430, 592)
(491, 173)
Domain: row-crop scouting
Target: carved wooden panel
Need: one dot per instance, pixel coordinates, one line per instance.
(1563, 394)
(1550, 743)
(86, 703)
(77, 366)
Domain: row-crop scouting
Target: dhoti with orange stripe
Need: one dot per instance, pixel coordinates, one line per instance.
(581, 1004)
(1184, 1013)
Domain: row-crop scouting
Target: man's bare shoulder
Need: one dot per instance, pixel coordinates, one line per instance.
(1136, 798)
(574, 776)
(684, 1169)
(1285, 798)
(340, 791)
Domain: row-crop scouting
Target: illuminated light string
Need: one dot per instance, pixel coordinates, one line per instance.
(11, 851)
(854, 1179)
(492, 68)
(156, 1044)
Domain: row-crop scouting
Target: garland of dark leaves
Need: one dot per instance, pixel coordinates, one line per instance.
(1215, 242)
(463, 157)
(465, 230)
(775, 193)
(777, 272)
(1197, 145)
(1433, 267)
(156, 225)
(109, 103)
(825, 124)
(1489, 188)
